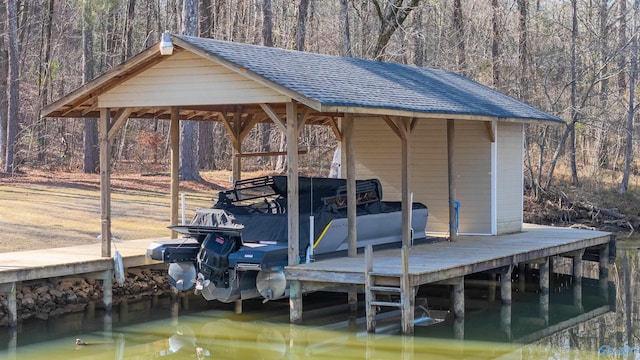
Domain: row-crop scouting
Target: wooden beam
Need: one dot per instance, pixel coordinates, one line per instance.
(336, 130)
(451, 164)
(347, 145)
(392, 125)
(269, 153)
(274, 117)
(302, 118)
(121, 116)
(251, 121)
(227, 124)
(407, 205)
(489, 126)
(105, 182)
(293, 211)
(236, 161)
(174, 134)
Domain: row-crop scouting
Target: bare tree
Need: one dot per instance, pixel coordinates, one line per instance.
(495, 43)
(574, 89)
(267, 24)
(206, 149)
(391, 15)
(628, 155)
(90, 158)
(4, 76)
(301, 28)
(13, 88)
(346, 36)
(458, 27)
(189, 129)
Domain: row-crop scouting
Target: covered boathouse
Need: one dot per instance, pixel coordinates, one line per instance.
(429, 135)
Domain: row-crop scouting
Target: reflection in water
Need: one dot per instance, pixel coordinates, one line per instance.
(574, 319)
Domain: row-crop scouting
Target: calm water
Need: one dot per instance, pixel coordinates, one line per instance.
(599, 326)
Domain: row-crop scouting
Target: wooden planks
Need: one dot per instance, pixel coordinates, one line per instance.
(445, 260)
(47, 263)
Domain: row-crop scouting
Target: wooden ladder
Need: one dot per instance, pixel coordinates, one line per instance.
(388, 284)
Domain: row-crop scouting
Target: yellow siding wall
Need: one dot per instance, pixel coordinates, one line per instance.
(509, 178)
(187, 79)
(377, 151)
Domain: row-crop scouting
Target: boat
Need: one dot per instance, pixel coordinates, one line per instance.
(238, 249)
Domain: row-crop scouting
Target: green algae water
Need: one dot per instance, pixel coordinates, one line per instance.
(597, 326)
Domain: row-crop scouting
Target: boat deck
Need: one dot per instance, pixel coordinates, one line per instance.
(429, 263)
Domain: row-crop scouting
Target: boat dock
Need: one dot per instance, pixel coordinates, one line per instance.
(83, 260)
(401, 272)
(392, 272)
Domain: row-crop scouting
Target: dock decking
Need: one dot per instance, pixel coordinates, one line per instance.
(66, 261)
(439, 261)
(448, 263)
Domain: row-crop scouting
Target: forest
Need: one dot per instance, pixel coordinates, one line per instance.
(576, 59)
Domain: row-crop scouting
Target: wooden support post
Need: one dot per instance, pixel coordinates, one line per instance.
(458, 308)
(603, 271)
(238, 306)
(105, 182)
(12, 306)
(353, 306)
(407, 294)
(544, 291)
(174, 134)
(293, 211)
(505, 296)
(505, 285)
(370, 309)
(577, 279)
(451, 164)
(347, 145)
(107, 290)
(406, 182)
(236, 165)
(522, 277)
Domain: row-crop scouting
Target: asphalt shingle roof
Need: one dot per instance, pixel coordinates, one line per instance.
(335, 81)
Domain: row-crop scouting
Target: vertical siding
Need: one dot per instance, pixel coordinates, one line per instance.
(187, 79)
(509, 178)
(377, 150)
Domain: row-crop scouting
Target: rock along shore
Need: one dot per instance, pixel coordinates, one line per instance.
(45, 298)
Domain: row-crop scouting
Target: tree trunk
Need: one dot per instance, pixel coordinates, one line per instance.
(622, 43)
(495, 44)
(91, 149)
(301, 28)
(4, 76)
(458, 27)
(392, 15)
(346, 35)
(14, 97)
(128, 30)
(267, 24)
(628, 150)
(44, 76)
(205, 149)
(522, 47)
(189, 129)
(418, 39)
(574, 87)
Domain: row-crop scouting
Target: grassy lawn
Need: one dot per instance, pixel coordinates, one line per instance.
(63, 210)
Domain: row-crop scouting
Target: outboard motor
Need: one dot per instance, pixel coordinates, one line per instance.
(213, 258)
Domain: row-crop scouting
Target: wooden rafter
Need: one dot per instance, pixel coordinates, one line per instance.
(274, 117)
(228, 126)
(334, 126)
(121, 116)
(248, 124)
(489, 126)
